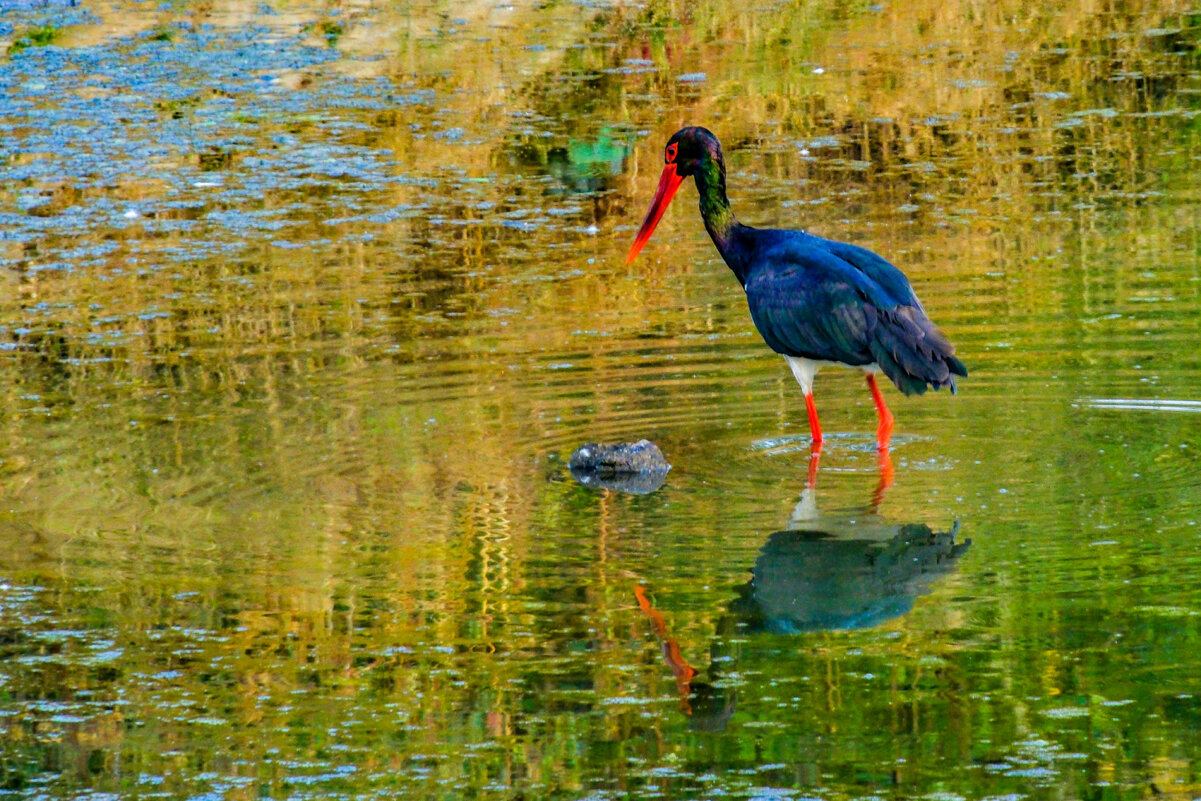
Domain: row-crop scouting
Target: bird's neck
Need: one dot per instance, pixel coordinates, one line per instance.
(720, 222)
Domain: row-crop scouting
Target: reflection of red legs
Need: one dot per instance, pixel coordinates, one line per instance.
(815, 456)
(884, 429)
(886, 471)
(815, 428)
(883, 439)
(680, 668)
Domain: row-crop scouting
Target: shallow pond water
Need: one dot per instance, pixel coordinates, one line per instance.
(303, 309)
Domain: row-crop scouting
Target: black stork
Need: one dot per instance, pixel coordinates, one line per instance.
(815, 301)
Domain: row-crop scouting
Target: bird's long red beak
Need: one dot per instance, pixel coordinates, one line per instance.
(669, 182)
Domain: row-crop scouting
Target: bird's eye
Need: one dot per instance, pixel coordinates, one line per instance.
(670, 154)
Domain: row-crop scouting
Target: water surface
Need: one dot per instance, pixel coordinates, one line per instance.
(305, 308)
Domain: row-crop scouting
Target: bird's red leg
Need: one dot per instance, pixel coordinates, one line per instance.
(815, 428)
(884, 430)
(815, 450)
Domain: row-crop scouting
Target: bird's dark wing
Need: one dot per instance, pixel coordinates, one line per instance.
(811, 314)
(879, 270)
(808, 305)
(809, 301)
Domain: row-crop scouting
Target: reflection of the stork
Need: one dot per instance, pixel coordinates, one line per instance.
(823, 572)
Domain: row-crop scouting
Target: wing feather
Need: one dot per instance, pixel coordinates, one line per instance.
(826, 301)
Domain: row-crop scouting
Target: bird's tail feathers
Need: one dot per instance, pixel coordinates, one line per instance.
(912, 352)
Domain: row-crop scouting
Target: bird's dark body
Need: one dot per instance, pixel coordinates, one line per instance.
(828, 301)
(814, 300)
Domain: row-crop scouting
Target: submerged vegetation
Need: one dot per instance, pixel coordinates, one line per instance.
(39, 36)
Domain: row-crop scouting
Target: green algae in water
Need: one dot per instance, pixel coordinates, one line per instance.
(34, 37)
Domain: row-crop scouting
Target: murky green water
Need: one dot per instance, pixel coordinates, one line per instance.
(304, 308)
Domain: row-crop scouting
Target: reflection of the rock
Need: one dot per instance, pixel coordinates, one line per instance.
(629, 483)
(823, 572)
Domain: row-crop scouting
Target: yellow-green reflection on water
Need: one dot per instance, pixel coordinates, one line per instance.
(304, 308)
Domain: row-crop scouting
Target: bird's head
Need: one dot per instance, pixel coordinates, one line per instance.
(689, 148)
(687, 152)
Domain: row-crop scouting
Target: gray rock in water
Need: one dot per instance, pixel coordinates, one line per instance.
(634, 467)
